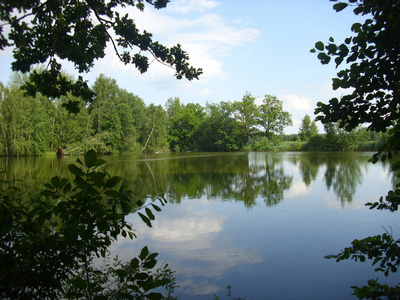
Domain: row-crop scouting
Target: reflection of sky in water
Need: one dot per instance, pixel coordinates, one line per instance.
(190, 237)
(268, 252)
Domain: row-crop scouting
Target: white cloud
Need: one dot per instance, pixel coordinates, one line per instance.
(185, 6)
(295, 103)
(206, 37)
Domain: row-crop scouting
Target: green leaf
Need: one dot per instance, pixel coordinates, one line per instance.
(144, 253)
(100, 162)
(141, 276)
(112, 193)
(75, 170)
(356, 27)
(78, 160)
(98, 178)
(113, 181)
(149, 213)
(80, 182)
(67, 188)
(55, 181)
(150, 264)
(78, 282)
(319, 45)
(48, 194)
(90, 158)
(63, 182)
(154, 296)
(49, 186)
(340, 6)
(121, 273)
(134, 263)
(325, 59)
(156, 208)
(145, 219)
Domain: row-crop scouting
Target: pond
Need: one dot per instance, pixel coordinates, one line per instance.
(260, 223)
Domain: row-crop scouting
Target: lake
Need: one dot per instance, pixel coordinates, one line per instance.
(258, 222)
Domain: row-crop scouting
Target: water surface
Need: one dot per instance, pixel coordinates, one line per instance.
(258, 222)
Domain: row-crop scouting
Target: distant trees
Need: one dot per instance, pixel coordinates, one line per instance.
(120, 122)
(370, 79)
(49, 32)
(245, 112)
(115, 122)
(219, 130)
(272, 117)
(308, 128)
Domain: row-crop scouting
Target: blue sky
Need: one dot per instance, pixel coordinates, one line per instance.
(258, 46)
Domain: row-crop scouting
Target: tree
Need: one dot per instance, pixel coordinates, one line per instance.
(308, 128)
(372, 57)
(48, 244)
(338, 139)
(272, 116)
(183, 123)
(117, 116)
(47, 32)
(218, 131)
(245, 112)
(155, 129)
(25, 121)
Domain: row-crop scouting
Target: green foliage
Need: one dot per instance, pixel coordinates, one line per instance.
(245, 112)
(50, 240)
(115, 122)
(308, 128)
(336, 139)
(382, 249)
(183, 121)
(47, 32)
(375, 290)
(218, 130)
(272, 117)
(370, 60)
(370, 57)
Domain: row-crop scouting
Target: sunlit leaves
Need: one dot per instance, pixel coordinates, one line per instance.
(48, 37)
(370, 56)
(382, 249)
(65, 227)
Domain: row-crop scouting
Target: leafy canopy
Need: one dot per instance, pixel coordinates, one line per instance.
(48, 241)
(47, 32)
(372, 77)
(371, 71)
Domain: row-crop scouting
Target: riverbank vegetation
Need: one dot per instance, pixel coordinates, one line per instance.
(117, 121)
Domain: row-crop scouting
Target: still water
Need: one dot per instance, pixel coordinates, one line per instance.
(258, 222)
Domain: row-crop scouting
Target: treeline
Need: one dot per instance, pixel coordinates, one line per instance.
(117, 121)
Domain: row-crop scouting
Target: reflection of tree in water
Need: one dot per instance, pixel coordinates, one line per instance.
(344, 174)
(230, 177)
(241, 177)
(309, 167)
(275, 181)
(343, 171)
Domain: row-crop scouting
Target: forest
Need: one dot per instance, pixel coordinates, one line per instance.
(117, 121)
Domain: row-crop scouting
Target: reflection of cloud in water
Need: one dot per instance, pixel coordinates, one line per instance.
(186, 228)
(188, 236)
(297, 189)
